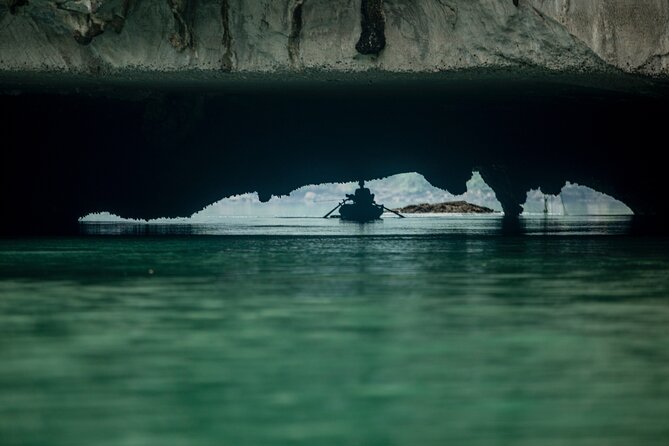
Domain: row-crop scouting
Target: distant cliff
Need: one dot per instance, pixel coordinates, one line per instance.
(220, 36)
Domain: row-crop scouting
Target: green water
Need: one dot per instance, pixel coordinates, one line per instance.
(427, 331)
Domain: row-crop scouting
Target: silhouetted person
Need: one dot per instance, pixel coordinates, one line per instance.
(362, 195)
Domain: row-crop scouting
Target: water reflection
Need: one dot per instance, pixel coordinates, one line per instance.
(423, 225)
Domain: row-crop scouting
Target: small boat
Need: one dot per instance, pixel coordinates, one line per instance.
(360, 213)
(362, 208)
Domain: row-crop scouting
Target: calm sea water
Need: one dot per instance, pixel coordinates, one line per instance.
(422, 331)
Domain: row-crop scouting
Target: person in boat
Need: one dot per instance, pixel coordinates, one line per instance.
(362, 195)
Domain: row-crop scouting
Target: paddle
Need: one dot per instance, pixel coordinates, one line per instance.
(336, 207)
(394, 212)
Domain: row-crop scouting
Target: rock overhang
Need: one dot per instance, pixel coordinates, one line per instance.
(101, 36)
(175, 134)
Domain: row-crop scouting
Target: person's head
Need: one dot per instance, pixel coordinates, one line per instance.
(361, 183)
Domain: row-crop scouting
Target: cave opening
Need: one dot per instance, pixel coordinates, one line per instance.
(397, 192)
(169, 150)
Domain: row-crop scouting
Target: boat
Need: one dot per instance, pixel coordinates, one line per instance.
(362, 207)
(360, 213)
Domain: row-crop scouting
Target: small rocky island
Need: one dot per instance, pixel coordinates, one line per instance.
(449, 207)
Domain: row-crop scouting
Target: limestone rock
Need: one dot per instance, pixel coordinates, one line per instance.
(334, 36)
(632, 35)
(450, 207)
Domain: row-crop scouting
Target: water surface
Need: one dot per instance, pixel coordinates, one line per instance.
(422, 331)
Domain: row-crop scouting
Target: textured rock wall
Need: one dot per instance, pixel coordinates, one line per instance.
(93, 36)
(629, 34)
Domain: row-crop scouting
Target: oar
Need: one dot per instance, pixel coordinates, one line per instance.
(394, 212)
(336, 207)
